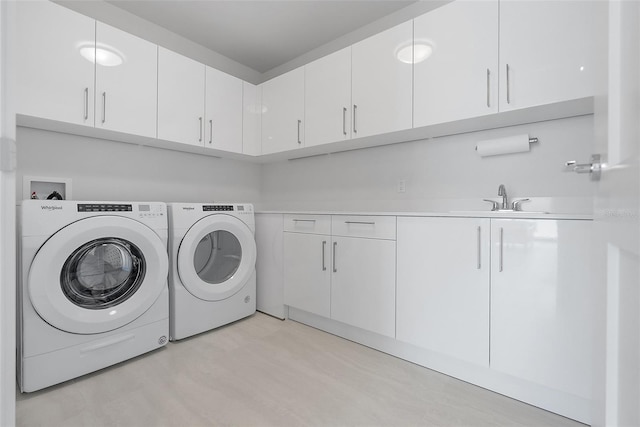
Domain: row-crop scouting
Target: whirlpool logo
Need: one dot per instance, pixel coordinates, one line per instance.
(188, 208)
(51, 208)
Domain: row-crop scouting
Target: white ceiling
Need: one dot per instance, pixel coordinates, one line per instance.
(261, 34)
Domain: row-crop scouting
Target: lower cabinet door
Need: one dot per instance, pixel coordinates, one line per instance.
(307, 278)
(363, 283)
(443, 286)
(543, 308)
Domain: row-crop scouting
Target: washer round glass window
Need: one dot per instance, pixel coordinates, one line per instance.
(217, 257)
(103, 273)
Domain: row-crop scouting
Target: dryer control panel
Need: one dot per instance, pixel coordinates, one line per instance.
(210, 208)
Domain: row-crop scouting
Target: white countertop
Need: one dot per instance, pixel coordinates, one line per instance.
(454, 214)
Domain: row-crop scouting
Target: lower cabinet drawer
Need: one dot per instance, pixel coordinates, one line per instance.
(374, 227)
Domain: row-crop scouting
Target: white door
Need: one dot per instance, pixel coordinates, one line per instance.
(443, 286)
(328, 98)
(126, 82)
(97, 274)
(180, 98)
(55, 67)
(283, 112)
(216, 257)
(551, 51)
(542, 303)
(307, 274)
(456, 62)
(363, 284)
(382, 86)
(617, 213)
(223, 111)
(7, 215)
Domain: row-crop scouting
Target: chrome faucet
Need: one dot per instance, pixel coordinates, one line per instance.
(503, 192)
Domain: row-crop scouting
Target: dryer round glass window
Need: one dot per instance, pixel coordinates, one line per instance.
(217, 257)
(102, 273)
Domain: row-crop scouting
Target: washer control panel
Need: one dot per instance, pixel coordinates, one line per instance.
(104, 207)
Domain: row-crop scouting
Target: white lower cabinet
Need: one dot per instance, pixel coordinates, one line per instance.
(543, 303)
(346, 275)
(443, 286)
(363, 283)
(307, 278)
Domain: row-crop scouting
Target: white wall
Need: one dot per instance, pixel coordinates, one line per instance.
(110, 171)
(442, 173)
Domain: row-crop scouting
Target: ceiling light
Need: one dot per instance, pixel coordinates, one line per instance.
(101, 55)
(414, 53)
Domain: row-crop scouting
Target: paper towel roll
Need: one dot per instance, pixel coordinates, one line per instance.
(510, 144)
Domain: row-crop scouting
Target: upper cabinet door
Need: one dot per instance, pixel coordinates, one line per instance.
(382, 83)
(223, 111)
(551, 51)
(328, 99)
(126, 82)
(55, 64)
(251, 118)
(456, 62)
(180, 98)
(283, 112)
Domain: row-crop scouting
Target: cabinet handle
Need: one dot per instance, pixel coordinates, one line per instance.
(508, 86)
(355, 110)
(344, 120)
(304, 220)
(210, 131)
(324, 245)
(104, 107)
(299, 123)
(360, 222)
(488, 88)
(86, 103)
(200, 120)
(335, 245)
(479, 248)
(501, 245)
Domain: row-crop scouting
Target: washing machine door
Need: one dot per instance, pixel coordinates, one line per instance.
(97, 274)
(216, 257)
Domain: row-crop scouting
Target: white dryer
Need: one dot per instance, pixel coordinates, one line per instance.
(92, 287)
(212, 279)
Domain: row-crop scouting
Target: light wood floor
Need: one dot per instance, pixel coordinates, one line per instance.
(263, 371)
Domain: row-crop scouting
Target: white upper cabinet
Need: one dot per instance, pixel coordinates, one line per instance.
(456, 62)
(223, 111)
(283, 112)
(443, 286)
(181, 94)
(55, 65)
(126, 82)
(382, 87)
(328, 99)
(551, 51)
(251, 118)
(543, 301)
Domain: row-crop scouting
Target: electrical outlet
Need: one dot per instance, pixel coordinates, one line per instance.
(402, 186)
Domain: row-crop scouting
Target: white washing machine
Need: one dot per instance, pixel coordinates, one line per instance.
(212, 279)
(92, 287)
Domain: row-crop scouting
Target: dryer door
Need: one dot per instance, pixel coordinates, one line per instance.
(97, 274)
(216, 257)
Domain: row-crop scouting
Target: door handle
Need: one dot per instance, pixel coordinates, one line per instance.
(200, 120)
(501, 250)
(299, 123)
(335, 245)
(355, 110)
(104, 107)
(86, 103)
(211, 131)
(479, 248)
(508, 86)
(324, 246)
(344, 120)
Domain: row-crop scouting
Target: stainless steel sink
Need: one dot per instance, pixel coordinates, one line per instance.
(500, 212)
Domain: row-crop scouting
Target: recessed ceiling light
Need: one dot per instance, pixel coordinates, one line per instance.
(414, 53)
(101, 55)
